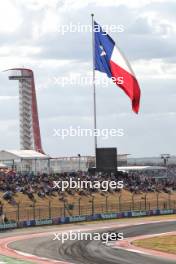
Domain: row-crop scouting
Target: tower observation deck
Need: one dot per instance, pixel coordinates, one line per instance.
(30, 137)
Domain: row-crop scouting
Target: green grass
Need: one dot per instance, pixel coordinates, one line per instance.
(160, 243)
(7, 260)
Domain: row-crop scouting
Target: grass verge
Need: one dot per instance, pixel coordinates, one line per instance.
(7, 260)
(160, 243)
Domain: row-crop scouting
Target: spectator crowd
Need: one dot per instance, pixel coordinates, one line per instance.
(42, 184)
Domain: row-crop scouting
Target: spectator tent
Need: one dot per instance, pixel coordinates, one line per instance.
(3, 166)
(26, 160)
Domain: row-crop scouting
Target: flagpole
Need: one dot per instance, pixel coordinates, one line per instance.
(94, 87)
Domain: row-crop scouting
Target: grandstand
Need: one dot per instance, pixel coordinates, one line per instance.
(151, 161)
(25, 196)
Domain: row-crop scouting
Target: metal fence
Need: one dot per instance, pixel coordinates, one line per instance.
(79, 207)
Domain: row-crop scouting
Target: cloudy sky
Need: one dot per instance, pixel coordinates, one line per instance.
(30, 36)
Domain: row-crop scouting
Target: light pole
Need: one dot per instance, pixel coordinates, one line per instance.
(165, 158)
(79, 161)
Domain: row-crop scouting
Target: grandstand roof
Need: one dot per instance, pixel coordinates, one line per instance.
(21, 154)
(137, 168)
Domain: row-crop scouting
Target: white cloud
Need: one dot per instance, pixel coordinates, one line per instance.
(10, 17)
(78, 4)
(155, 69)
(38, 4)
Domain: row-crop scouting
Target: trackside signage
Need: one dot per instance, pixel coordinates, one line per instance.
(71, 219)
(44, 222)
(141, 213)
(77, 218)
(8, 225)
(108, 216)
(166, 211)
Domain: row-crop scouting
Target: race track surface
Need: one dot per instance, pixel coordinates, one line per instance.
(95, 252)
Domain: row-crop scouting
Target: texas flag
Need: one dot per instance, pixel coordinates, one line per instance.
(109, 59)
